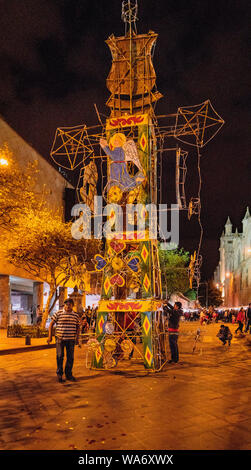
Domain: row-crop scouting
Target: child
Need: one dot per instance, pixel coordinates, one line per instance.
(225, 334)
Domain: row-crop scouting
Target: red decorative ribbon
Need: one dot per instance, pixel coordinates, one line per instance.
(127, 122)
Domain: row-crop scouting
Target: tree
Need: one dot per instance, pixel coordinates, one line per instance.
(174, 271)
(17, 188)
(43, 245)
(209, 295)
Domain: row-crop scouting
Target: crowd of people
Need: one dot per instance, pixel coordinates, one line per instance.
(88, 320)
(239, 316)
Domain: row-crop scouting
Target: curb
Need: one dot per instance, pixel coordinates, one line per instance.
(5, 352)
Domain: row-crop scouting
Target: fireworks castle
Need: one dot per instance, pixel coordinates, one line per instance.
(131, 145)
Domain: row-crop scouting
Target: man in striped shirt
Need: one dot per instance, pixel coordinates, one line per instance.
(67, 332)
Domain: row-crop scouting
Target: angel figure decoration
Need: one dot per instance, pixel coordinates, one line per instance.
(120, 151)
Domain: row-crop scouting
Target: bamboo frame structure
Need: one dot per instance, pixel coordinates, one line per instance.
(129, 316)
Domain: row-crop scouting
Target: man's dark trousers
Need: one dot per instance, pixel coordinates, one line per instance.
(173, 343)
(60, 346)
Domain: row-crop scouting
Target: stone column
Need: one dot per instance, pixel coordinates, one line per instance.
(62, 296)
(38, 297)
(5, 307)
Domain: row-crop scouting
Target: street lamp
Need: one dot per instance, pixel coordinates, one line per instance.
(4, 162)
(5, 155)
(206, 283)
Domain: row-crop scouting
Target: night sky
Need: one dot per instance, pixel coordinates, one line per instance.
(54, 64)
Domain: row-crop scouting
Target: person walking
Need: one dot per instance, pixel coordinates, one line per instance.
(248, 318)
(241, 320)
(234, 315)
(174, 314)
(88, 314)
(67, 335)
(94, 318)
(39, 315)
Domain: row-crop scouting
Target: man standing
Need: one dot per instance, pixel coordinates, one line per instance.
(67, 332)
(174, 313)
(248, 318)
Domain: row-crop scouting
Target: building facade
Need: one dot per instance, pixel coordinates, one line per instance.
(233, 274)
(20, 293)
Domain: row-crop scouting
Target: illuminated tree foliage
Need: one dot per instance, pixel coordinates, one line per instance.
(174, 271)
(38, 241)
(43, 245)
(17, 188)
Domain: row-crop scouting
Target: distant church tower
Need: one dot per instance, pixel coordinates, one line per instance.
(233, 274)
(228, 227)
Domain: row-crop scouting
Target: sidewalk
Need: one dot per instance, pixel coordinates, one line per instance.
(17, 345)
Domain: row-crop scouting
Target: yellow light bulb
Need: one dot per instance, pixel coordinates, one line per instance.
(4, 162)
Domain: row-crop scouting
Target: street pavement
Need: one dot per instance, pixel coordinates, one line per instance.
(202, 403)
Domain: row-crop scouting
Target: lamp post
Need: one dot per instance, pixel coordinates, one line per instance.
(4, 162)
(206, 283)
